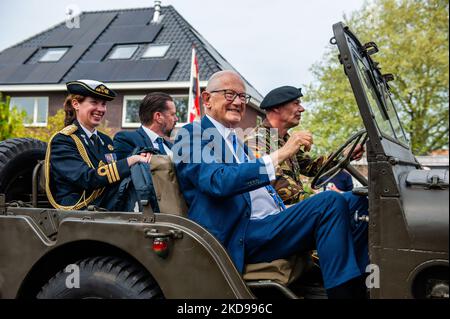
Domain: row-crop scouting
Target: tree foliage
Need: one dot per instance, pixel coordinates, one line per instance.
(11, 120)
(413, 38)
(55, 123)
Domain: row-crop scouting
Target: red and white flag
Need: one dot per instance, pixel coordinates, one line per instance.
(194, 91)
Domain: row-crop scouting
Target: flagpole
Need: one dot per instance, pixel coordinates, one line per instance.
(191, 104)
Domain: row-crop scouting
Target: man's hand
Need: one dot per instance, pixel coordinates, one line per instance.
(293, 144)
(305, 138)
(357, 152)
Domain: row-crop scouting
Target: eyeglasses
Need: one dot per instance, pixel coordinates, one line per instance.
(230, 95)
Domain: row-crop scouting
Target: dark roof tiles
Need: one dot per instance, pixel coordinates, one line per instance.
(99, 32)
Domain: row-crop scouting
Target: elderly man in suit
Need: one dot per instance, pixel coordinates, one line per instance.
(228, 192)
(157, 114)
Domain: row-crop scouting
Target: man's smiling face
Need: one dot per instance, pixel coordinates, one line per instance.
(228, 113)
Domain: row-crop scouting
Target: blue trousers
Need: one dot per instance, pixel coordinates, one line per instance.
(324, 222)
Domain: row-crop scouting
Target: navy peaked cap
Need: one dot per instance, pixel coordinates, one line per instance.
(91, 88)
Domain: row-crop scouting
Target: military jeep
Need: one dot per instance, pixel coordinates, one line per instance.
(165, 255)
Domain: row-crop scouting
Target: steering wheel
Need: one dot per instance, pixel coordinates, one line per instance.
(331, 168)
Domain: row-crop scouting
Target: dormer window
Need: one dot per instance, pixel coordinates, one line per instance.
(123, 52)
(156, 51)
(53, 54)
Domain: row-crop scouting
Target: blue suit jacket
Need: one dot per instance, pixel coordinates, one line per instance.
(216, 192)
(126, 141)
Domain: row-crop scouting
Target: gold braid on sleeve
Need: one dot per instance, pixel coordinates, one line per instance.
(83, 201)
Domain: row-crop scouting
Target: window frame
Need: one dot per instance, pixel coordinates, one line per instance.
(155, 45)
(35, 110)
(119, 46)
(53, 48)
(140, 97)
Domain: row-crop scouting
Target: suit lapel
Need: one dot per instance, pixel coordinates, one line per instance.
(206, 123)
(226, 152)
(145, 138)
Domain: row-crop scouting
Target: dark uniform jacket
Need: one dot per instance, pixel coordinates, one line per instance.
(77, 175)
(288, 181)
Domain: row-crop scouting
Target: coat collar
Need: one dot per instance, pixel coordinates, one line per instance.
(206, 124)
(87, 143)
(145, 137)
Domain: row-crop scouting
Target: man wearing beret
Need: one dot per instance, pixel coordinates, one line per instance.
(283, 111)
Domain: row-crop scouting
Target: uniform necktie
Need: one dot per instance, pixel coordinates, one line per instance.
(160, 142)
(95, 141)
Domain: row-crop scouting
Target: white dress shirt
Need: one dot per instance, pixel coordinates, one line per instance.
(263, 204)
(89, 134)
(153, 136)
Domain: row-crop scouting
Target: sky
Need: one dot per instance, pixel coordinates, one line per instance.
(271, 43)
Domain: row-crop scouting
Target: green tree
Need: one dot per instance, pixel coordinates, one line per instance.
(55, 123)
(413, 38)
(11, 120)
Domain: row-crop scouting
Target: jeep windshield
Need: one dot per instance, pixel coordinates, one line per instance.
(374, 88)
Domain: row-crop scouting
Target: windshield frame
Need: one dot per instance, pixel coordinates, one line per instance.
(350, 52)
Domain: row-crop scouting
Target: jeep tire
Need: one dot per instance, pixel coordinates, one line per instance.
(101, 278)
(18, 157)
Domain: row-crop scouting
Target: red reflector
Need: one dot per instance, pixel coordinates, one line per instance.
(161, 247)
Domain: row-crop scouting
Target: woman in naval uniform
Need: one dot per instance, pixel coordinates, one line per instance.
(80, 165)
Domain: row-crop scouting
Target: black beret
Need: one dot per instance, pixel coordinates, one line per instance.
(91, 88)
(281, 95)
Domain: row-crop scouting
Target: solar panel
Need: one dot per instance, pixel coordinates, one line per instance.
(91, 26)
(16, 55)
(15, 74)
(117, 71)
(130, 34)
(97, 52)
(141, 17)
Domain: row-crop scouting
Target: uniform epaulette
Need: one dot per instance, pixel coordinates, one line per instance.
(69, 130)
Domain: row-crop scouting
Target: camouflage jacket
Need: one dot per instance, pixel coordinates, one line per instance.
(262, 140)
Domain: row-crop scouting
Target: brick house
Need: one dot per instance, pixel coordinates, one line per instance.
(134, 51)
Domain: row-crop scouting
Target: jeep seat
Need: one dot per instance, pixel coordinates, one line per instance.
(171, 201)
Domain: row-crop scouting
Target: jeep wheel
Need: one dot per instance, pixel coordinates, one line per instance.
(18, 157)
(101, 278)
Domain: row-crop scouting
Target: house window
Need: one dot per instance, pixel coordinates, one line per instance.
(130, 111)
(155, 51)
(181, 104)
(53, 54)
(35, 108)
(122, 52)
(259, 120)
